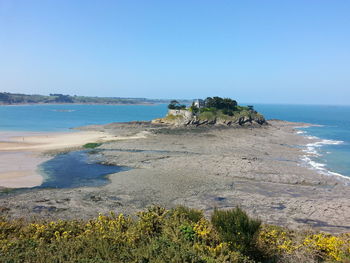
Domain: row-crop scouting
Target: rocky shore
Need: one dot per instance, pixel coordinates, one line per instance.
(258, 169)
(249, 118)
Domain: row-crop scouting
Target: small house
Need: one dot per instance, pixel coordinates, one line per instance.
(199, 103)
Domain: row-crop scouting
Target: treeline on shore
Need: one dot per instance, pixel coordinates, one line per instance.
(7, 98)
(180, 234)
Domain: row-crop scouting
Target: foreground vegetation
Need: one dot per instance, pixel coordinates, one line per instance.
(160, 235)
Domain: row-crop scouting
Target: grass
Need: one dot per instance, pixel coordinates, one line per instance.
(171, 117)
(92, 145)
(207, 115)
(159, 235)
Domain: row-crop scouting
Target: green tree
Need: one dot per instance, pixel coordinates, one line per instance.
(175, 105)
(194, 109)
(220, 103)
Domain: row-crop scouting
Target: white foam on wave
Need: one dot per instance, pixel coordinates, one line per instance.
(312, 137)
(321, 168)
(324, 142)
(312, 150)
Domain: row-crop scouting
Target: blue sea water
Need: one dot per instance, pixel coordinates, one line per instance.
(73, 169)
(332, 145)
(330, 154)
(62, 117)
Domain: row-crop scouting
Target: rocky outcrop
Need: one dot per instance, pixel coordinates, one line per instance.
(246, 119)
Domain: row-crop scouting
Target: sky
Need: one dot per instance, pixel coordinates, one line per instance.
(271, 51)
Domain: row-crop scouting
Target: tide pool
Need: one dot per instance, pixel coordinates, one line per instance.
(74, 169)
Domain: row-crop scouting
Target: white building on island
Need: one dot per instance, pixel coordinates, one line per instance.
(199, 103)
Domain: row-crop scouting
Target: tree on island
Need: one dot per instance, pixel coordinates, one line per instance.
(194, 109)
(175, 105)
(220, 103)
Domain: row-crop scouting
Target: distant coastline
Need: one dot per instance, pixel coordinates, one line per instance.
(78, 103)
(7, 98)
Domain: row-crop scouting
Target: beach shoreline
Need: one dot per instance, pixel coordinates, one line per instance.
(22, 152)
(257, 169)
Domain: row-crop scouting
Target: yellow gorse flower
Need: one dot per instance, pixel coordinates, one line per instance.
(331, 246)
(202, 228)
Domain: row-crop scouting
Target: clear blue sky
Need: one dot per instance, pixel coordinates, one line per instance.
(270, 51)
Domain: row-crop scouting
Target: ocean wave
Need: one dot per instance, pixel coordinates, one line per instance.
(312, 137)
(312, 150)
(323, 142)
(320, 167)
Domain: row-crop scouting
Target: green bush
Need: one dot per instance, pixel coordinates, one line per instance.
(159, 235)
(194, 215)
(92, 145)
(207, 115)
(201, 110)
(154, 235)
(171, 117)
(237, 228)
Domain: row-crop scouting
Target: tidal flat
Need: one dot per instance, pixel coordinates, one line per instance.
(258, 169)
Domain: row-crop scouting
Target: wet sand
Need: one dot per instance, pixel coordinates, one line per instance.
(258, 169)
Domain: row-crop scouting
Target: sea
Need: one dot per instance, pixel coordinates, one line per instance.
(328, 154)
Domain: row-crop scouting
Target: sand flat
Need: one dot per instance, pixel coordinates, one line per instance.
(52, 141)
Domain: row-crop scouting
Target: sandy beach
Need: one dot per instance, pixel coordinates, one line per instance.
(258, 169)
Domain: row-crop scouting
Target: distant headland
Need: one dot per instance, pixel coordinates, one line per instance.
(212, 111)
(7, 98)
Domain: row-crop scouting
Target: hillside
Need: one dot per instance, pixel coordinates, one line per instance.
(7, 98)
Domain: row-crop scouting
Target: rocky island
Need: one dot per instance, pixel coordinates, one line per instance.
(212, 111)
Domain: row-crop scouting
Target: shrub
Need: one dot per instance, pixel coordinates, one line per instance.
(207, 109)
(194, 215)
(237, 228)
(171, 117)
(207, 115)
(92, 145)
(194, 109)
(159, 235)
(228, 112)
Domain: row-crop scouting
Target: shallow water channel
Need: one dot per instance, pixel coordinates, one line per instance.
(75, 169)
